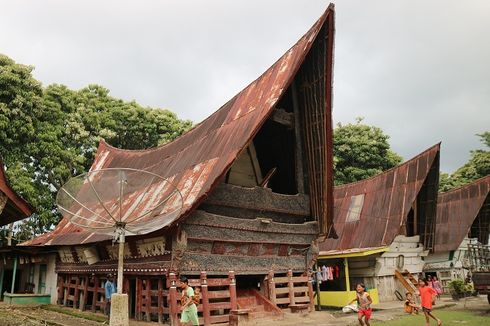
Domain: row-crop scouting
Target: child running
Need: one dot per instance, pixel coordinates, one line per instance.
(364, 302)
(427, 295)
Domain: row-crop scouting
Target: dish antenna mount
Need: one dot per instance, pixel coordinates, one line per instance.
(119, 202)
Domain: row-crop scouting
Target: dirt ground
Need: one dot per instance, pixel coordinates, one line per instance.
(34, 316)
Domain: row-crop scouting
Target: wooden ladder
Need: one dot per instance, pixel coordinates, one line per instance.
(407, 280)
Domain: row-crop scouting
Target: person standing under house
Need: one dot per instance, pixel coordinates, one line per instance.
(110, 289)
(189, 308)
(364, 303)
(427, 296)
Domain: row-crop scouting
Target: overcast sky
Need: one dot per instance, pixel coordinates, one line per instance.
(420, 70)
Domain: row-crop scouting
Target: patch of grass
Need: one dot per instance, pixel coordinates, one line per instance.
(76, 313)
(448, 317)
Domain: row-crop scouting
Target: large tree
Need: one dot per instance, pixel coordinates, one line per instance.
(48, 135)
(361, 151)
(477, 167)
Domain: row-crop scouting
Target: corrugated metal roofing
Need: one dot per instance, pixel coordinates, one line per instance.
(22, 207)
(195, 161)
(457, 210)
(387, 200)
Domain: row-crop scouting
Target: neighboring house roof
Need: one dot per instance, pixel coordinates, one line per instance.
(16, 207)
(372, 212)
(457, 212)
(196, 161)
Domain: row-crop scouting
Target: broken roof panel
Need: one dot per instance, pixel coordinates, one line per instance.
(197, 160)
(457, 210)
(370, 213)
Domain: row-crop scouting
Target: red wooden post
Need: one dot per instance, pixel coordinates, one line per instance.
(160, 300)
(95, 294)
(61, 290)
(291, 287)
(67, 291)
(233, 302)
(310, 291)
(83, 302)
(148, 299)
(173, 306)
(139, 298)
(77, 292)
(272, 287)
(205, 299)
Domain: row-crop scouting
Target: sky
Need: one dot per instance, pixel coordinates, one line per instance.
(420, 70)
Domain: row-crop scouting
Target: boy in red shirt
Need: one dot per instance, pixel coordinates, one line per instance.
(427, 295)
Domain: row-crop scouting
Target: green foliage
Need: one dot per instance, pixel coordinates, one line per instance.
(477, 167)
(361, 151)
(48, 135)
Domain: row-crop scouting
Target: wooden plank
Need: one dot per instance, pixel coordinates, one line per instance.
(218, 294)
(302, 299)
(218, 282)
(300, 289)
(282, 291)
(282, 300)
(283, 279)
(219, 305)
(219, 319)
(300, 279)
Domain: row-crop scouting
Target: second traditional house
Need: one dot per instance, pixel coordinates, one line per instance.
(385, 225)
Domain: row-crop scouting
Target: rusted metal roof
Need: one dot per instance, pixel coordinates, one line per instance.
(457, 211)
(196, 161)
(387, 200)
(16, 208)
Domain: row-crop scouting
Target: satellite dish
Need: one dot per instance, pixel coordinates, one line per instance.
(119, 202)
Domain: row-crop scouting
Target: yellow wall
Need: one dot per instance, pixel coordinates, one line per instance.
(342, 298)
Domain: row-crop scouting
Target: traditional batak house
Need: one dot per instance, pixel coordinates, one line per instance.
(385, 225)
(463, 222)
(17, 273)
(256, 179)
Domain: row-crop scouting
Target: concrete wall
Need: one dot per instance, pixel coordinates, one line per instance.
(405, 253)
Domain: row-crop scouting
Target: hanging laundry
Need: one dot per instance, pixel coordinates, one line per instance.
(337, 271)
(324, 273)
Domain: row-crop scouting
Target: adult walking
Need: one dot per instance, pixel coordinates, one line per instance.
(110, 288)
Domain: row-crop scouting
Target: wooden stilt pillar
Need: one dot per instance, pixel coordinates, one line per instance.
(139, 298)
(291, 287)
(205, 299)
(148, 299)
(233, 299)
(83, 301)
(272, 287)
(160, 300)
(174, 308)
(14, 274)
(95, 293)
(77, 292)
(310, 291)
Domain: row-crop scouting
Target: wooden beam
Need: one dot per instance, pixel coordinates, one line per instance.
(284, 118)
(300, 181)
